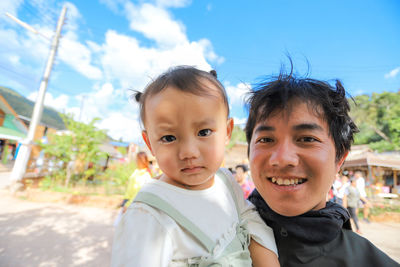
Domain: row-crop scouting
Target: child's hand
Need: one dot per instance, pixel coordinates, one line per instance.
(261, 256)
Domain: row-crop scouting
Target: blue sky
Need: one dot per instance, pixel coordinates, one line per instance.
(109, 46)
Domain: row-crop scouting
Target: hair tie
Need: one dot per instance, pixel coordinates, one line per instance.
(213, 73)
(138, 96)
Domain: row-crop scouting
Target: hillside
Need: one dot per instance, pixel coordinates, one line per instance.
(24, 107)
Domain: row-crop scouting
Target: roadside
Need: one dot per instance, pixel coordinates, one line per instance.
(4, 179)
(57, 234)
(53, 234)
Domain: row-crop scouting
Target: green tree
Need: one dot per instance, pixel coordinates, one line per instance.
(378, 117)
(238, 136)
(80, 144)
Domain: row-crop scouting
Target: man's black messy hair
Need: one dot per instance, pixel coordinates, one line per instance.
(327, 101)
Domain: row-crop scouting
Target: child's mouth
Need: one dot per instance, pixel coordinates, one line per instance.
(192, 169)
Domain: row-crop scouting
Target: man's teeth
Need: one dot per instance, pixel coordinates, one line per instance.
(292, 181)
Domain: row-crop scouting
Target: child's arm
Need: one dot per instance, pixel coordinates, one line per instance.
(261, 256)
(258, 229)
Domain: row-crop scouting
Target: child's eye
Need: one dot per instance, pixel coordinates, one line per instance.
(168, 138)
(205, 132)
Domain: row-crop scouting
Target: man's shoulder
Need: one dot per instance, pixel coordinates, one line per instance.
(363, 250)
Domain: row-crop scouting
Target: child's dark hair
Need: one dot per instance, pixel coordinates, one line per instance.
(242, 166)
(327, 101)
(186, 79)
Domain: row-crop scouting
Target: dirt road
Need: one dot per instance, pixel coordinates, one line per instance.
(54, 234)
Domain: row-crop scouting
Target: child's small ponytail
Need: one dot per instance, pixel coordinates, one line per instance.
(138, 95)
(213, 73)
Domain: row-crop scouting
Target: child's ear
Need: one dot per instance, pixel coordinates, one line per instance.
(229, 129)
(147, 141)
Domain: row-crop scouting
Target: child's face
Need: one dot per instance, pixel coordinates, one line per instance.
(293, 160)
(187, 134)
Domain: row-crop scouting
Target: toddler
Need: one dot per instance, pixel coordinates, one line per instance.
(194, 213)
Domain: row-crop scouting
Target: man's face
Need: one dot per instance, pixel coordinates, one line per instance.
(292, 160)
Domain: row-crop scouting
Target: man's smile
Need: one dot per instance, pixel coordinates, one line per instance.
(286, 180)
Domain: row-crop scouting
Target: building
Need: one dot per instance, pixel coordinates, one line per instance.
(379, 168)
(12, 130)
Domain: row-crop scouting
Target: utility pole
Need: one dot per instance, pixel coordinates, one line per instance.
(25, 149)
(81, 109)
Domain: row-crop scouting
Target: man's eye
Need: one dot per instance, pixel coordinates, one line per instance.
(307, 139)
(265, 140)
(168, 138)
(205, 132)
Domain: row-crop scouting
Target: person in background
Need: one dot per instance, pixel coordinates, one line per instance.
(341, 190)
(360, 181)
(350, 201)
(335, 186)
(139, 177)
(299, 133)
(243, 180)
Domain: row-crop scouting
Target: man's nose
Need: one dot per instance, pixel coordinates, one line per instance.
(188, 149)
(284, 154)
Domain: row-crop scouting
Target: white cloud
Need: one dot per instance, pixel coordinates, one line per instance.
(14, 59)
(72, 51)
(35, 49)
(209, 53)
(173, 3)
(78, 56)
(125, 60)
(118, 116)
(10, 6)
(156, 24)
(121, 125)
(114, 5)
(59, 103)
(393, 73)
(236, 94)
(240, 121)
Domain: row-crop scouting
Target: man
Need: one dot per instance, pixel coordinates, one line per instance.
(299, 134)
(360, 181)
(342, 190)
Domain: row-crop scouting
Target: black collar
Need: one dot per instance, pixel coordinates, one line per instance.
(313, 227)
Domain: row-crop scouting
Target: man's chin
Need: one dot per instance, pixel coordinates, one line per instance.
(288, 210)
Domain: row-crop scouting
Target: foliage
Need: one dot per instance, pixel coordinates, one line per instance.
(122, 150)
(238, 136)
(117, 176)
(80, 145)
(385, 207)
(378, 117)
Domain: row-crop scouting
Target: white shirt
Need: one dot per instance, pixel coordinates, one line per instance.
(360, 184)
(342, 190)
(148, 237)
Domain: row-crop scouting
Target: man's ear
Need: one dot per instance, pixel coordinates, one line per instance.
(147, 141)
(229, 129)
(340, 162)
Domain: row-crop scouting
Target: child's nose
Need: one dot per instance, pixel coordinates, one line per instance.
(188, 150)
